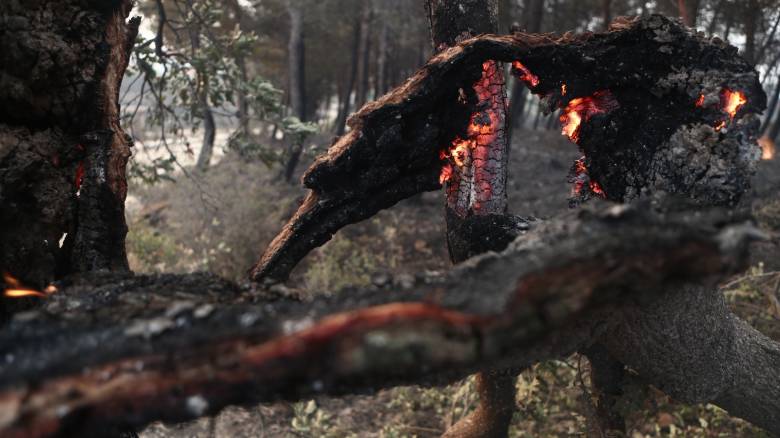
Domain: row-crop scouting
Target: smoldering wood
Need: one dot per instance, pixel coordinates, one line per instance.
(61, 65)
(114, 351)
(656, 69)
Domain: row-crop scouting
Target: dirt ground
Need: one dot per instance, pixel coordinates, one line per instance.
(553, 398)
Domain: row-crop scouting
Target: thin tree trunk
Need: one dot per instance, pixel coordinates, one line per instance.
(774, 132)
(751, 12)
(772, 107)
(364, 53)
(606, 13)
(533, 17)
(204, 109)
(381, 59)
(296, 51)
(341, 119)
(715, 17)
(688, 11)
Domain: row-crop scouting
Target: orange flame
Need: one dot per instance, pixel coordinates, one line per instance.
(767, 148)
(563, 89)
(700, 101)
(720, 125)
(525, 74)
(17, 290)
(582, 109)
(732, 101)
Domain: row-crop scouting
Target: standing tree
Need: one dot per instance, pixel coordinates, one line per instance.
(295, 52)
(476, 202)
(62, 151)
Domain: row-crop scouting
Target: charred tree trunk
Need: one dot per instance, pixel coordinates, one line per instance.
(296, 53)
(62, 151)
(341, 119)
(751, 12)
(476, 204)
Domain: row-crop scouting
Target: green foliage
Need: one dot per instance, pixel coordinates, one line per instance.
(309, 420)
(341, 263)
(202, 64)
(151, 251)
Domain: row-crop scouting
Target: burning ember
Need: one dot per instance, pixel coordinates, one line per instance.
(581, 179)
(732, 101)
(15, 289)
(446, 174)
(577, 111)
(582, 109)
(525, 75)
(767, 148)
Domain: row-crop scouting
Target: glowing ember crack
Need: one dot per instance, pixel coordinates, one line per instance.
(469, 170)
(524, 74)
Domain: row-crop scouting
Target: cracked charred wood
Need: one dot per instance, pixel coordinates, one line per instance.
(62, 152)
(111, 350)
(678, 116)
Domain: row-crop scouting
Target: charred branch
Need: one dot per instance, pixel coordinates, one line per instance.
(111, 350)
(656, 70)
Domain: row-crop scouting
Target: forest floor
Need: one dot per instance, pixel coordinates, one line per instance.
(222, 221)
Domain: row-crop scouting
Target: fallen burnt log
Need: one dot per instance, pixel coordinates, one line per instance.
(654, 107)
(116, 351)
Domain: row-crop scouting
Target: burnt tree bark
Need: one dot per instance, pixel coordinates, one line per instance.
(296, 52)
(62, 151)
